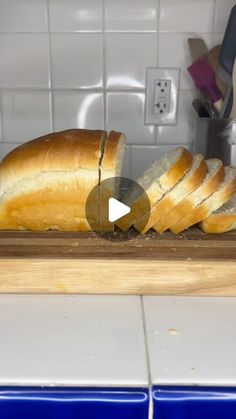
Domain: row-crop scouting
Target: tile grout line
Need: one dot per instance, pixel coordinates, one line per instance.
(129, 159)
(51, 104)
(158, 9)
(75, 89)
(147, 358)
(117, 32)
(214, 20)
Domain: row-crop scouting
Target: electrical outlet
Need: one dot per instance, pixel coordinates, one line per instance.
(162, 88)
(162, 96)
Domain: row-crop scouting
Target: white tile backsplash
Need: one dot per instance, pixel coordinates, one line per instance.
(75, 15)
(223, 8)
(77, 110)
(186, 16)
(23, 16)
(127, 57)
(183, 132)
(218, 38)
(90, 57)
(24, 60)
(131, 16)
(1, 136)
(126, 166)
(77, 60)
(125, 113)
(143, 156)
(5, 148)
(25, 115)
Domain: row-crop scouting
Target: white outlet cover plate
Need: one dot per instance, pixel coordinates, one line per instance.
(153, 74)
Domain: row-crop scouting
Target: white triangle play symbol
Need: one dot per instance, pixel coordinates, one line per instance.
(116, 209)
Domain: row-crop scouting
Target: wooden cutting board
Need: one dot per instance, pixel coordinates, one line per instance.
(192, 263)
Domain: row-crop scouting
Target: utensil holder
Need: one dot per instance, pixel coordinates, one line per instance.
(216, 138)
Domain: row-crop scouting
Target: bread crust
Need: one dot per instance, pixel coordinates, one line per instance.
(187, 205)
(218, 223)
(67, 150)
(46, 182)
(162, 208)
(109, 160)
(176, 171)
(166, 181)
(113, 151)
(203, 210)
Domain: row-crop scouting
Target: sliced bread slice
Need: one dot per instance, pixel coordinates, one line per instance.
(224, 193)
(188, 183)
(160, 177)
(222, 220)
(210, 184)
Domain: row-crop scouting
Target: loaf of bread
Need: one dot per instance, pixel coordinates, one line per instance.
(45, 183)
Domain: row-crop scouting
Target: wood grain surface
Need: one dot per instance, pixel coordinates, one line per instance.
(192, 263)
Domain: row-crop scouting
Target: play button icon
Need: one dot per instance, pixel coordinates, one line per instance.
(109, 207)
(116, 210)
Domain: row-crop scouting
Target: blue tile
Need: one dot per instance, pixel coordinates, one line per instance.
(194, 403)
(69, 403)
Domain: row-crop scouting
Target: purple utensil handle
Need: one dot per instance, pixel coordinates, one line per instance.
(204, 78)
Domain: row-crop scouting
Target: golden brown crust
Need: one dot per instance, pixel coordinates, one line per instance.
(56, 205)
(187, 205)
(191, 185)
(109, 160)
(203, 210)
(46, 182)
(67, 150)
(169, 179)
(167, 202)
(53, 177)
(218, 223)
(176, 171)
(113, 151)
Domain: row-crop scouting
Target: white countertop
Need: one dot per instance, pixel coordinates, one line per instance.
(72, 340)
(191, 341)
(99, 341)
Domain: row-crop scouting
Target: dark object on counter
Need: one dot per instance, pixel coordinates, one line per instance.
(233, 109)
(204, 78)
(227, 57)
(204, 110)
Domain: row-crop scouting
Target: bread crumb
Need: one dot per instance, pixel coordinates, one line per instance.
(173, 331)
(75, 244)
